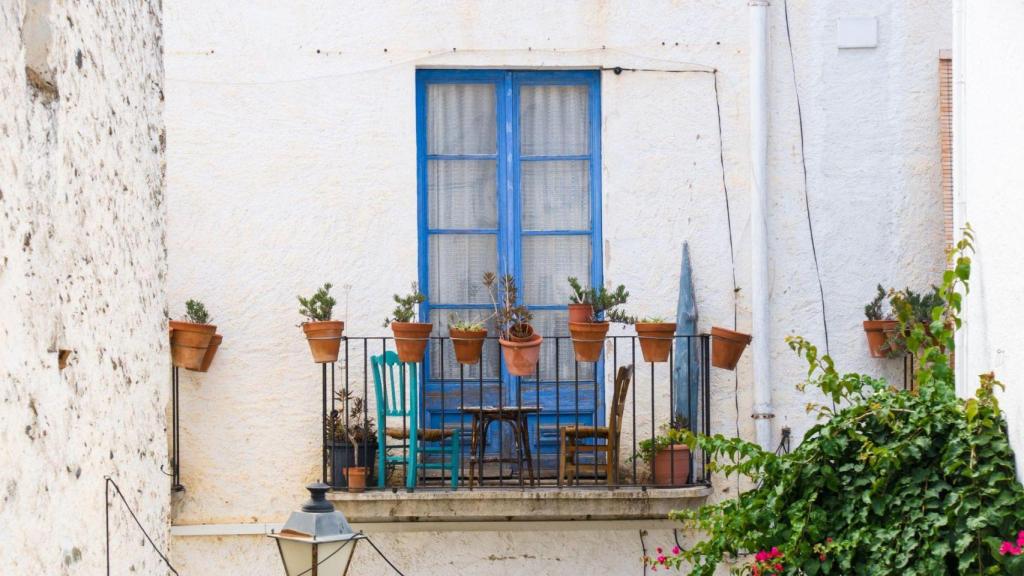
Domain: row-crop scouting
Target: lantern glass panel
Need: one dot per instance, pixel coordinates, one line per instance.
(333, 557)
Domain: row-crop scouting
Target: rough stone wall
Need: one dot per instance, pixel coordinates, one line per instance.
(292, 162)
(82, 268)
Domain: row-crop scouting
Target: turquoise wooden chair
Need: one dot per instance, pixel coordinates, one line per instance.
(397, 389)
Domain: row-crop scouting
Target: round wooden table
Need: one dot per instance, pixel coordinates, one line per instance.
(515, 416)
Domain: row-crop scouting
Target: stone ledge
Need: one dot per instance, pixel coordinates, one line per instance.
(540, 504)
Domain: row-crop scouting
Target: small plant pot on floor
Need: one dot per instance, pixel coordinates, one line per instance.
(324, 339)
(879, 332)
(189, 342)
(521, 354)
(356, 477)
(344, 456)
(671, 466)
(211, 352)
(468, 344)
(588, 340)
(727, 346)
(656, 340)
(580, 312)
(411, 339)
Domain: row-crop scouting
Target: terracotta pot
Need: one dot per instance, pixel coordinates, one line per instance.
(726, 347)
(878, 333)
(356, 478)
(580, 312)
(656, 340)
(521, 354)
(588, 340)
(211, 352)
(468, 344)
(671, 466)
(411, 339)
(324, 339)
(189, 343)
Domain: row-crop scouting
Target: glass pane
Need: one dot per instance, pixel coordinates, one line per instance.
(461, 119)
(457, 263)
(489, 359)
(552, 324)
(553, 120)
(556, 195)
(462, 193)
(548, 262)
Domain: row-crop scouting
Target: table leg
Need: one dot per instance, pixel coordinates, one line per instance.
(525, 441)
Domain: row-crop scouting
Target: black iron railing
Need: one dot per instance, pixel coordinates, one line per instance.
(549, 429)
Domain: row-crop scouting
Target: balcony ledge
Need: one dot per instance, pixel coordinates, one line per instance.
(504, 505)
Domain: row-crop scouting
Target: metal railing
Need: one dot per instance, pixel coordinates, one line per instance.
(563, 398)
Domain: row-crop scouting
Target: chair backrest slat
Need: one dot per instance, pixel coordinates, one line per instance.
(618, 407)
(391, 381)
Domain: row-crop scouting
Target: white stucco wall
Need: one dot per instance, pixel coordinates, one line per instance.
(291, 134)
(82, 268)
(988, 180)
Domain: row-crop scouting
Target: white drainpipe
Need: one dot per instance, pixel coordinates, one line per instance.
(762, 410)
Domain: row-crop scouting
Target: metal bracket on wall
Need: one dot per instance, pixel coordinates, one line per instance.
(176, 485)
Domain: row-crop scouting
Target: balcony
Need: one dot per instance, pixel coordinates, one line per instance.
(570, 427)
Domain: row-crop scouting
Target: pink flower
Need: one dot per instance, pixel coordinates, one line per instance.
(661, 559)
(761, 556)
(676, 550)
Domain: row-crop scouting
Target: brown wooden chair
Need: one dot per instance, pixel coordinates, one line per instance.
(570, 437)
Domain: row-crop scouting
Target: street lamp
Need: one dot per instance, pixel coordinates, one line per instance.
(317, 540)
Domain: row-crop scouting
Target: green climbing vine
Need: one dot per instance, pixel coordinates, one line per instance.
(890, 482)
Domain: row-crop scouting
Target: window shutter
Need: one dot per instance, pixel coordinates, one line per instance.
(946, 135)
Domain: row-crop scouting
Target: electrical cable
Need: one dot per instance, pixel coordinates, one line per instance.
(803, 162)
(106, 500)
(393, 567)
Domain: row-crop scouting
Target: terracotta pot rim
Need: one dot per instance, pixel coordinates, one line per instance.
(583, 325)
(466, 334)
(876, 325)
(726, 334)
(532, 341)
(674, 448)
(186, 326)
(656, 326)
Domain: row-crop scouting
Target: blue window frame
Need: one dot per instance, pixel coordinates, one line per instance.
(508, 181)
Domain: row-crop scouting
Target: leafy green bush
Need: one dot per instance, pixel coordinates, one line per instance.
(319, 306)
(915, 482)
(195, 312)
(405, 310)
(602, 300)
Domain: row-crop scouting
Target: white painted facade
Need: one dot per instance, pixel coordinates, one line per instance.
(292, 161)
(82, 269)
(987, 178)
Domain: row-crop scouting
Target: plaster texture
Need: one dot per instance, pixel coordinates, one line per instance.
(82, 268)
(987, 179)
(292, 161)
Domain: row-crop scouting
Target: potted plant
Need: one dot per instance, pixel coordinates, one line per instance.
(880, 327)
(352, 440)
(410, 337)
(668, 455)
(656, 337)
(467, 339)
(191, 337)
(588, 336)
(322, 333)
(519, 344)
(727, 346)
(912, 308)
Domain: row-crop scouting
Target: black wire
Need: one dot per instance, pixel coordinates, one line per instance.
(732, 257)
(106, 500)
(393, 567)
(803, 162)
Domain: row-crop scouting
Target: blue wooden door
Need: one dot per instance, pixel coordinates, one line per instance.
(509, 182)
